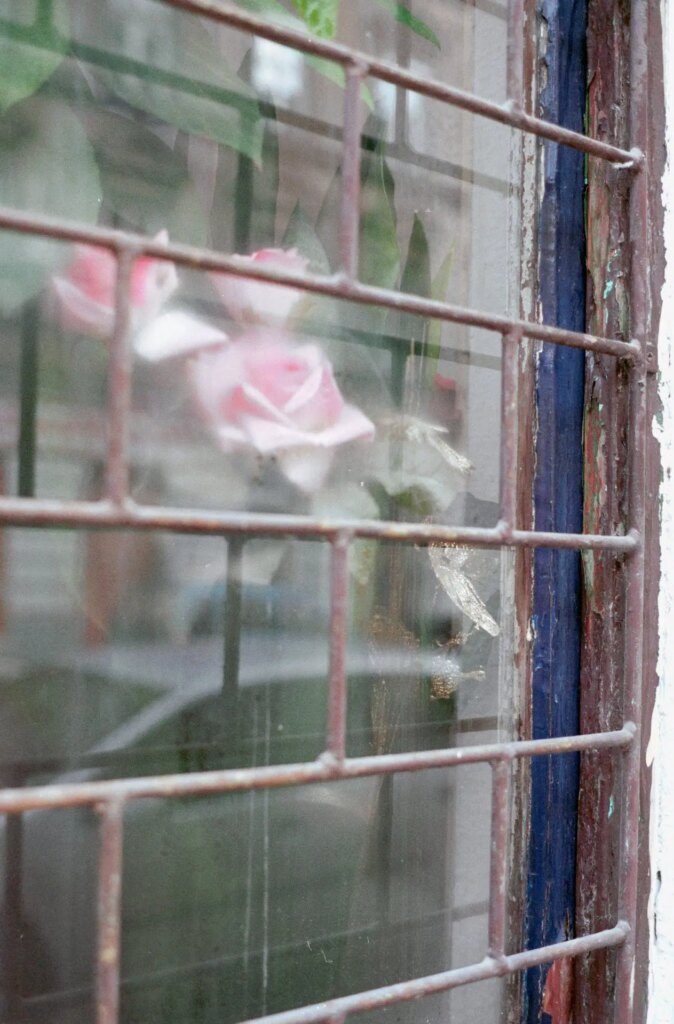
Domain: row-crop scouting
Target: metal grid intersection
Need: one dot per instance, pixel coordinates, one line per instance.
(117, 510)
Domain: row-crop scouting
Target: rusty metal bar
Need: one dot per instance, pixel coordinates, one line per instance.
(515, 53)
(610, 937)
(640, 299)
(109, 797)
(350, 208)
(507, 113)
(634, 653)
(498, 867)
(119, 384)
(339, 624)
(231, 658)
(336, 286)
(28, 398)
(324, 770)
(109, 911)
(101, 514)
(509, 432)
(11, 973)
(417, 988)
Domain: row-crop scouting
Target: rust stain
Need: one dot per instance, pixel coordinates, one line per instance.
(558, 991)
(605, 488)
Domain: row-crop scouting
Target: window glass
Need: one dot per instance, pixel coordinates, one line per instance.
(128, 653)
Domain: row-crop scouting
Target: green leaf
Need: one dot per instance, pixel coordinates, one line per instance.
(334, 73)
(266, 188)
(140, 69)
(349, 500)
(29, 53)
(144, 181)
(403, 15)
(416, 278)
(46, 166)
(313, 309)
(243, 213)
(434, 335)
(428, 470)
(379, 250)
(320, 16)
(271, 9)
(300, 235)
(257, 191)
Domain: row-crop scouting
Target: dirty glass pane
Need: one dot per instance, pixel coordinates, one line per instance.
(132, 653)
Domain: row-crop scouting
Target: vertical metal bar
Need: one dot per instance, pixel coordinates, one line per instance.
(509, 430)
(498, 867)
(634, 612)
(349, 220)
(3, 552)
(109, 911)
(403, 56)
(232, 654)
(12, 912)
(634, 626)
(232, 642)
(339, 622)
(119, 384)
(515, 53)
(28, 380)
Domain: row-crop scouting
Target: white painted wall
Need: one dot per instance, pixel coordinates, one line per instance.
(661, 746)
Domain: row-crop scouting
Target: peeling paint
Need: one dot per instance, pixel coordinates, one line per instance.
(661, 903)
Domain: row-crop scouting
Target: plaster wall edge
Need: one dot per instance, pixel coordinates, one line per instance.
(661, 742)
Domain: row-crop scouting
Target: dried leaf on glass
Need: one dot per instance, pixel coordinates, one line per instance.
(448, 564)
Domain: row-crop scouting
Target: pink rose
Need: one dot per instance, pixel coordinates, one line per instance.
(86, 296)
(266, 393)
(250, 301)
(86, 293)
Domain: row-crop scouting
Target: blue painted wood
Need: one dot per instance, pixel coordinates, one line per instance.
(558, 501)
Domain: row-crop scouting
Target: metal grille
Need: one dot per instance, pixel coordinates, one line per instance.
(117, 510)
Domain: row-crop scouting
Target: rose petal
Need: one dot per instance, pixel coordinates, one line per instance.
(307, 468)
(230, 436)
(94, 272)
(308, 390)
(86, 291)
(176, 334)
(153, 281)
(353, 425)
(249, 300)
(268, 436)
(212, 375)
(80, 312)
(264, 392)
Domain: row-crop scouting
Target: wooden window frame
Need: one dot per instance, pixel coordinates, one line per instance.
(618, 528)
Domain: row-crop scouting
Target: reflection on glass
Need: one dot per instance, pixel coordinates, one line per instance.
(129, 653)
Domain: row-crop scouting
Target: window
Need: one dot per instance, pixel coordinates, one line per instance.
(294, 348)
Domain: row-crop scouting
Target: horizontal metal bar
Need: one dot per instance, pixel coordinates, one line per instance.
(326, 769)
(51, 1001)
(432, 984)
(507, 113)
(45, 512)
(336, 286)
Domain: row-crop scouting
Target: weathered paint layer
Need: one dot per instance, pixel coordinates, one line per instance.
(661, 907)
